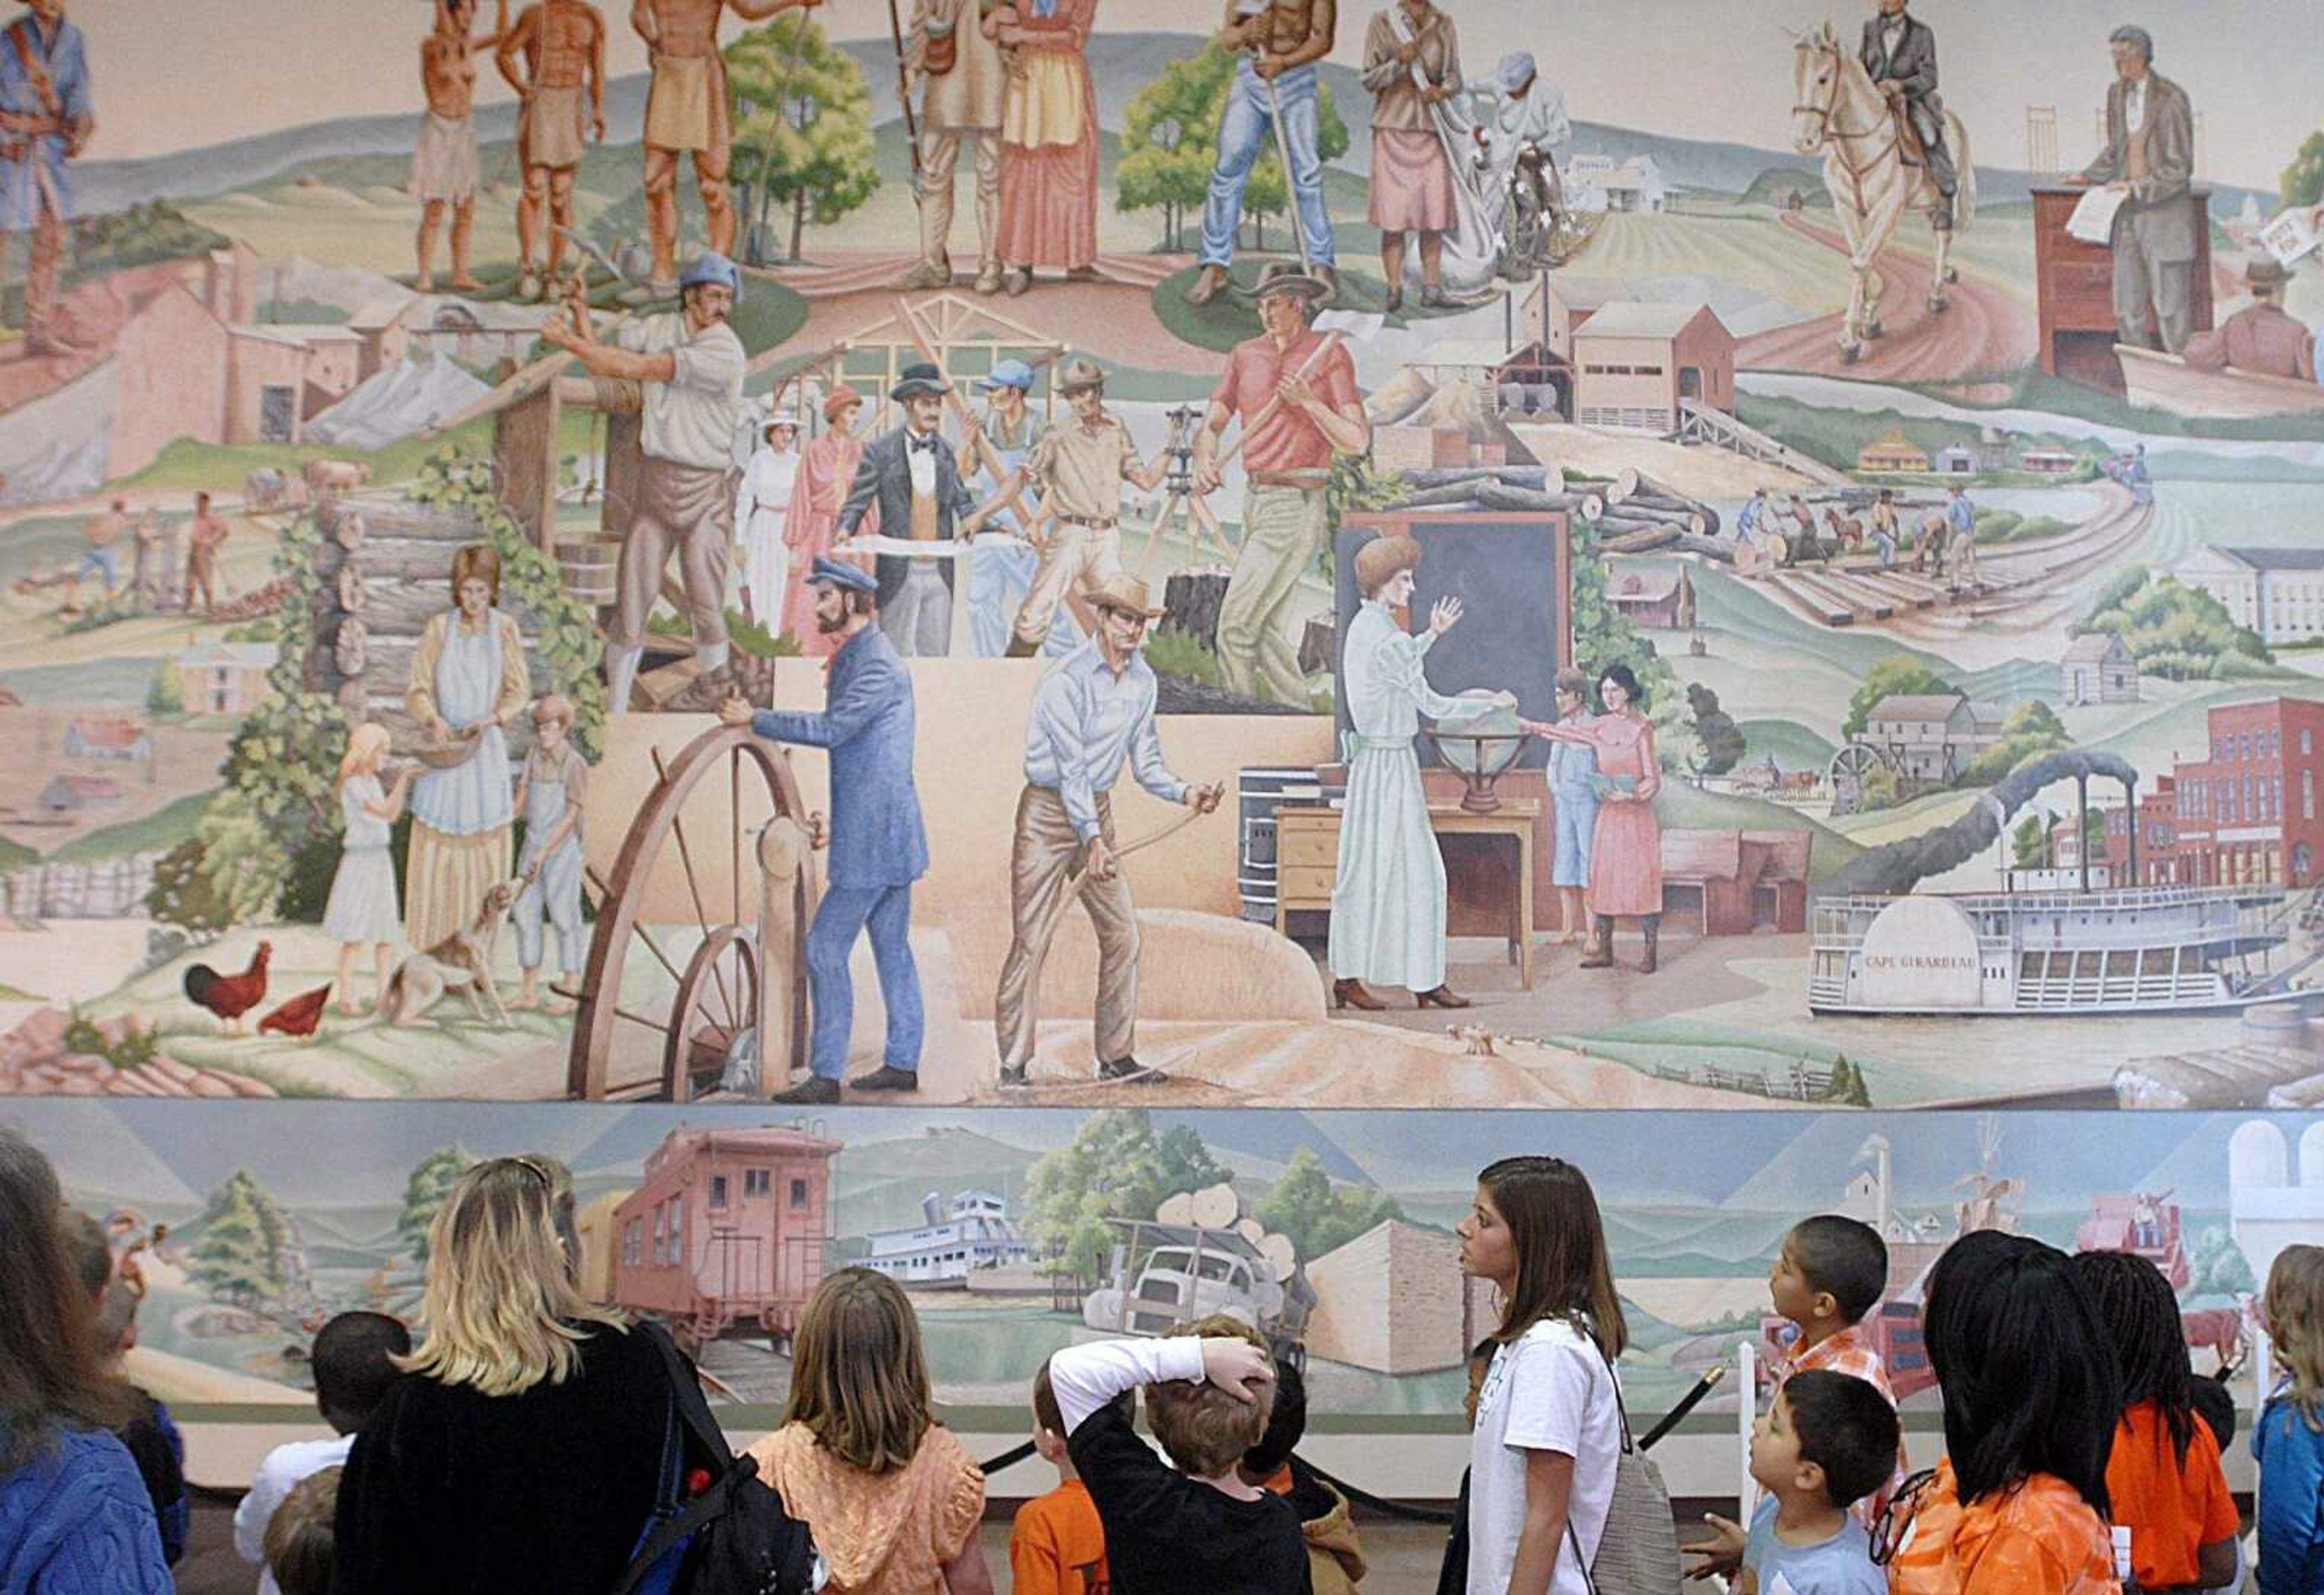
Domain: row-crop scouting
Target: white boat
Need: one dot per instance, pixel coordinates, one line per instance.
(2150, 949)
(974, 1233)
(2157, 381)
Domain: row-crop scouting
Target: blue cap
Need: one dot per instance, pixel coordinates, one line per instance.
(833, 572)
(1515, 71)
(712, 268)
(1008, 374)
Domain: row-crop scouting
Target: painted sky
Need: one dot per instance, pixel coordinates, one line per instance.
(178, 74)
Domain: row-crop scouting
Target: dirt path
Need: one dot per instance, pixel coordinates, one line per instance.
(1985, 330)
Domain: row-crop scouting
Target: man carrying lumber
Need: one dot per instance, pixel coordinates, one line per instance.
(1299, 407)
(1079, 469)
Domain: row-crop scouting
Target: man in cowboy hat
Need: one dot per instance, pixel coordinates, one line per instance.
(916, 482)
(1000, 570)
(1276, 85)
(1093, 713)
(878, 846)
(1079, 468)
(2262, 337)
(1287, 461)
(690, 365)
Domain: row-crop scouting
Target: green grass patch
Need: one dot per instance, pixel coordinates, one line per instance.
(158, 832)
(1170, 651)
(1793, 746)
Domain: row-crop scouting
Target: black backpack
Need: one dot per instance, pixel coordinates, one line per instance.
(733, 1537)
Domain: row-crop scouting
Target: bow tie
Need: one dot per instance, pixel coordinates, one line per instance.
(927, 445)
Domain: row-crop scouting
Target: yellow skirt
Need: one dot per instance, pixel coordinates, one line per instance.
(444, 881)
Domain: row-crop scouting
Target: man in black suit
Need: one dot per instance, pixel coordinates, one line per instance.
(912, 474)
(1901, 54)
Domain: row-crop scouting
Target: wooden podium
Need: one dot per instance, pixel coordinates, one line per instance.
(2075, 282)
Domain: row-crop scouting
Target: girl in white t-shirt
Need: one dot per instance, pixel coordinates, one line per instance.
(1547, 1432)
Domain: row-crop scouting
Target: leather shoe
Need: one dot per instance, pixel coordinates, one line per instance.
(1130, 1069)
(1012, 1079)
(887, 1077)
(1442, 997)
(1206, 285)
(1394, 298)
(1352, 995)
(819, 1091)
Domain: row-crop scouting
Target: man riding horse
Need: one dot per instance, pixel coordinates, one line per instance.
(1900, 51)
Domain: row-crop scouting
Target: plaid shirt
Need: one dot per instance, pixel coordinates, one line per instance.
(1849, 1353)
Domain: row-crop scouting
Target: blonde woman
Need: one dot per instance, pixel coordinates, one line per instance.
(522, 1452)
(468, 680)
(891, 1497)
(362, 911)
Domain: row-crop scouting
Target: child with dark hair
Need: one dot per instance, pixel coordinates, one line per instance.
(301, 1542)
(1209, 1389)
(2163, 1474)
(150, 1434)
(2027, 1369)
(352, 1363)
(1336, 1561)
(1056, 1546)
(1827, 1442)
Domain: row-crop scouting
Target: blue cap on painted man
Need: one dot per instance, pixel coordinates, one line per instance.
(713, 269)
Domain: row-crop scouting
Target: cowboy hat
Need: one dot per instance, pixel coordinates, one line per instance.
(2266, 271)
(1080, 374)
(1124, 593)
(1284, 277)
(919, 379)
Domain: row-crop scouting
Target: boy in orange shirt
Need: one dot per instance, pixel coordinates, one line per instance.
(1057, 1545)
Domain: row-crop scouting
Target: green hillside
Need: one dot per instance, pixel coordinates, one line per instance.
(1792, 745)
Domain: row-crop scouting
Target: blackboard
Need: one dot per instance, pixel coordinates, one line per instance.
(1513, 574)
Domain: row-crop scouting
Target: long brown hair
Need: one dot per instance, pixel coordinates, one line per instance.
(1563, 1271)
(50, 1371)
(2295, 1323)
(859, 1378)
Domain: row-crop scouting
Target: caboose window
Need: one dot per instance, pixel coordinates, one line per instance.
(718, 1190)
(798, 1195)
(756, 1181)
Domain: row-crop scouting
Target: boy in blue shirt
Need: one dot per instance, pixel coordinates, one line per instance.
(1829, 1441)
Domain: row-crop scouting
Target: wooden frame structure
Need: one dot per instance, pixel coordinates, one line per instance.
(969, 340)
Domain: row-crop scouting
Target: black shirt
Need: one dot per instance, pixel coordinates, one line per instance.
(1168, 1534)
(451, 1492)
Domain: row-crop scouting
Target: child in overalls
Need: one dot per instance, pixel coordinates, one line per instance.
(550, 794)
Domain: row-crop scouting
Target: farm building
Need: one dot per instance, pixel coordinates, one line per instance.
(2100, 670)
(122, 740)
(2048, 462)
(1956, 459)
(1927, 736)
(224, 678)
(1992, 450)
(1733, 882)
(1392, 1300)
(1666, 603)
(73, 794)
(1528, 383)
(384, 328)
(1893, 453)
(1599, 182)
(1556, 309)
(730, 1226)
(2278, 593)
(1637, 362)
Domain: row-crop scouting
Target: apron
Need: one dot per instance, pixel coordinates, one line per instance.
(473, 797)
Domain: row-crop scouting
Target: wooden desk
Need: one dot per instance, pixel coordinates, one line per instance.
(1308, 862)
(2074, 283)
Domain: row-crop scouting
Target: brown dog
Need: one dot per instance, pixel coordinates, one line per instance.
(462, 961)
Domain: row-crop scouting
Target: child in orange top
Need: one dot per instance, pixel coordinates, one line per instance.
(2019, 1504)
(2164, 1475)
(1057, 1544)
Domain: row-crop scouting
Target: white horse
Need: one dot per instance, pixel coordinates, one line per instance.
(1836, 108)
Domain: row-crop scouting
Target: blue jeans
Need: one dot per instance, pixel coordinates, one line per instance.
(844, 914)
(1577, 829)
(1243, 138)
(1000, 574)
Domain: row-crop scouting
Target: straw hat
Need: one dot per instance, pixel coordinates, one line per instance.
(1124, 593)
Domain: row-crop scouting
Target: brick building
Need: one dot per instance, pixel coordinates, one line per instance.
(2247, 814)
(1393, 1300)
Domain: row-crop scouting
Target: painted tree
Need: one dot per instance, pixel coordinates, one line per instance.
(239, 1256)
(1722, 740)
(1897, 675)
(165, 694)
(1170, 142)
(424, 1194)
(802, 123)
(1115, 1166)
(2220, 1267)
(2031, 730)
(2302, 182)
(1318, 1216)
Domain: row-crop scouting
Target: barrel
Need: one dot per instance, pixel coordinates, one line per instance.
(589, 564)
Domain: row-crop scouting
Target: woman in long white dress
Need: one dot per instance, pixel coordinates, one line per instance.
(762, 510)
(468, 680)
(1387, 900)
(362, 911)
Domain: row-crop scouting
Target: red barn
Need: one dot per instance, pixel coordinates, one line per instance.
(730, 1226)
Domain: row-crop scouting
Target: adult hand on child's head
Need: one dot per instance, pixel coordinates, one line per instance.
(1237, 1367)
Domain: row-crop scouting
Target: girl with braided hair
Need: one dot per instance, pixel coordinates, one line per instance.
(2163, 1474)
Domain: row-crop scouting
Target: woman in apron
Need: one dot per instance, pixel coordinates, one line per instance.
(550, 794)
(468, 679)
(1049, 140)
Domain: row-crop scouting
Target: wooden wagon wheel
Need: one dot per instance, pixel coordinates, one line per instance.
(719, 986)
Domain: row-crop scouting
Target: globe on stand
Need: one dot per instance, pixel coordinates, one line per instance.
(1481, 748)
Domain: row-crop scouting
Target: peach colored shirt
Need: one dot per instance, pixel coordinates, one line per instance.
(882, 1533)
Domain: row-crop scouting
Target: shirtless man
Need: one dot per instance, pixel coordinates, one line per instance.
(562, 46)
(102, 557)
(1276, 76)
(444, 168)
(204, 537)
(686, 111)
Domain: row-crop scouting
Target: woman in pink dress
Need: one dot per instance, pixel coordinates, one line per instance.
(827, 469)
(1625, 854)
(1049, 140)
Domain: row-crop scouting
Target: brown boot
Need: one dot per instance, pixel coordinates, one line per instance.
(1442, 997)
(1654, 930)
(1352, 995)
(1599, 954)
(1018, 648)
(1206, 285)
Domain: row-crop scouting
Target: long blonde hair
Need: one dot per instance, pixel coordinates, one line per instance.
(366, 744)
(859, 1378)
(502, 1310)
(2295, 1323)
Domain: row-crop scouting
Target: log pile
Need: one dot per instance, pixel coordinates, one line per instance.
(1220, 1207)
(1520, 489)
(1642, 516)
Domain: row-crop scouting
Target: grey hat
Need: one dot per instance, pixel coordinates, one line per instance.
(1079, 375)
(1285, 277)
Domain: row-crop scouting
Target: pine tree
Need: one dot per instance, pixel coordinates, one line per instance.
(424, 1194)
(238, 1257)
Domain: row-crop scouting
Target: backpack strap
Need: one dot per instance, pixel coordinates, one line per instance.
(691, 1409)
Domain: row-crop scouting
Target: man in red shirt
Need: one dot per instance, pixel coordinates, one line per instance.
(1286, 456)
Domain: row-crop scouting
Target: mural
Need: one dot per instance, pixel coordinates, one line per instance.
(436, 508)
(1025, 1231)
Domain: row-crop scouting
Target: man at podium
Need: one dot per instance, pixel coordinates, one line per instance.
(2150, 158)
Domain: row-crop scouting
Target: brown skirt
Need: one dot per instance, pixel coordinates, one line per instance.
(1412, 183)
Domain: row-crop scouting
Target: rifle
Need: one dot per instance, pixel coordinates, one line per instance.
(904, 93)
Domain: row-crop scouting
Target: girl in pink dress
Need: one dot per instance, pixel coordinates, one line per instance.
(1049, 140)
(1625, 854)
(827, 469)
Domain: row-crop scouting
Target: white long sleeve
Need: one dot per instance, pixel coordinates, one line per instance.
(1085, 1378)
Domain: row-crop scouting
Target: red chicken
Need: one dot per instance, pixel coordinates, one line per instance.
(300, 1017)
(230, 996)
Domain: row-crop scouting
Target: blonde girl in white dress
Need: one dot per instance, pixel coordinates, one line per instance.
(363, 906)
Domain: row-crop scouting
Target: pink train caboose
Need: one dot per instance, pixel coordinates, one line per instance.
(731, 1226)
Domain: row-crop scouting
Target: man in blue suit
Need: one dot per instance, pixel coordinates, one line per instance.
(879, 846)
